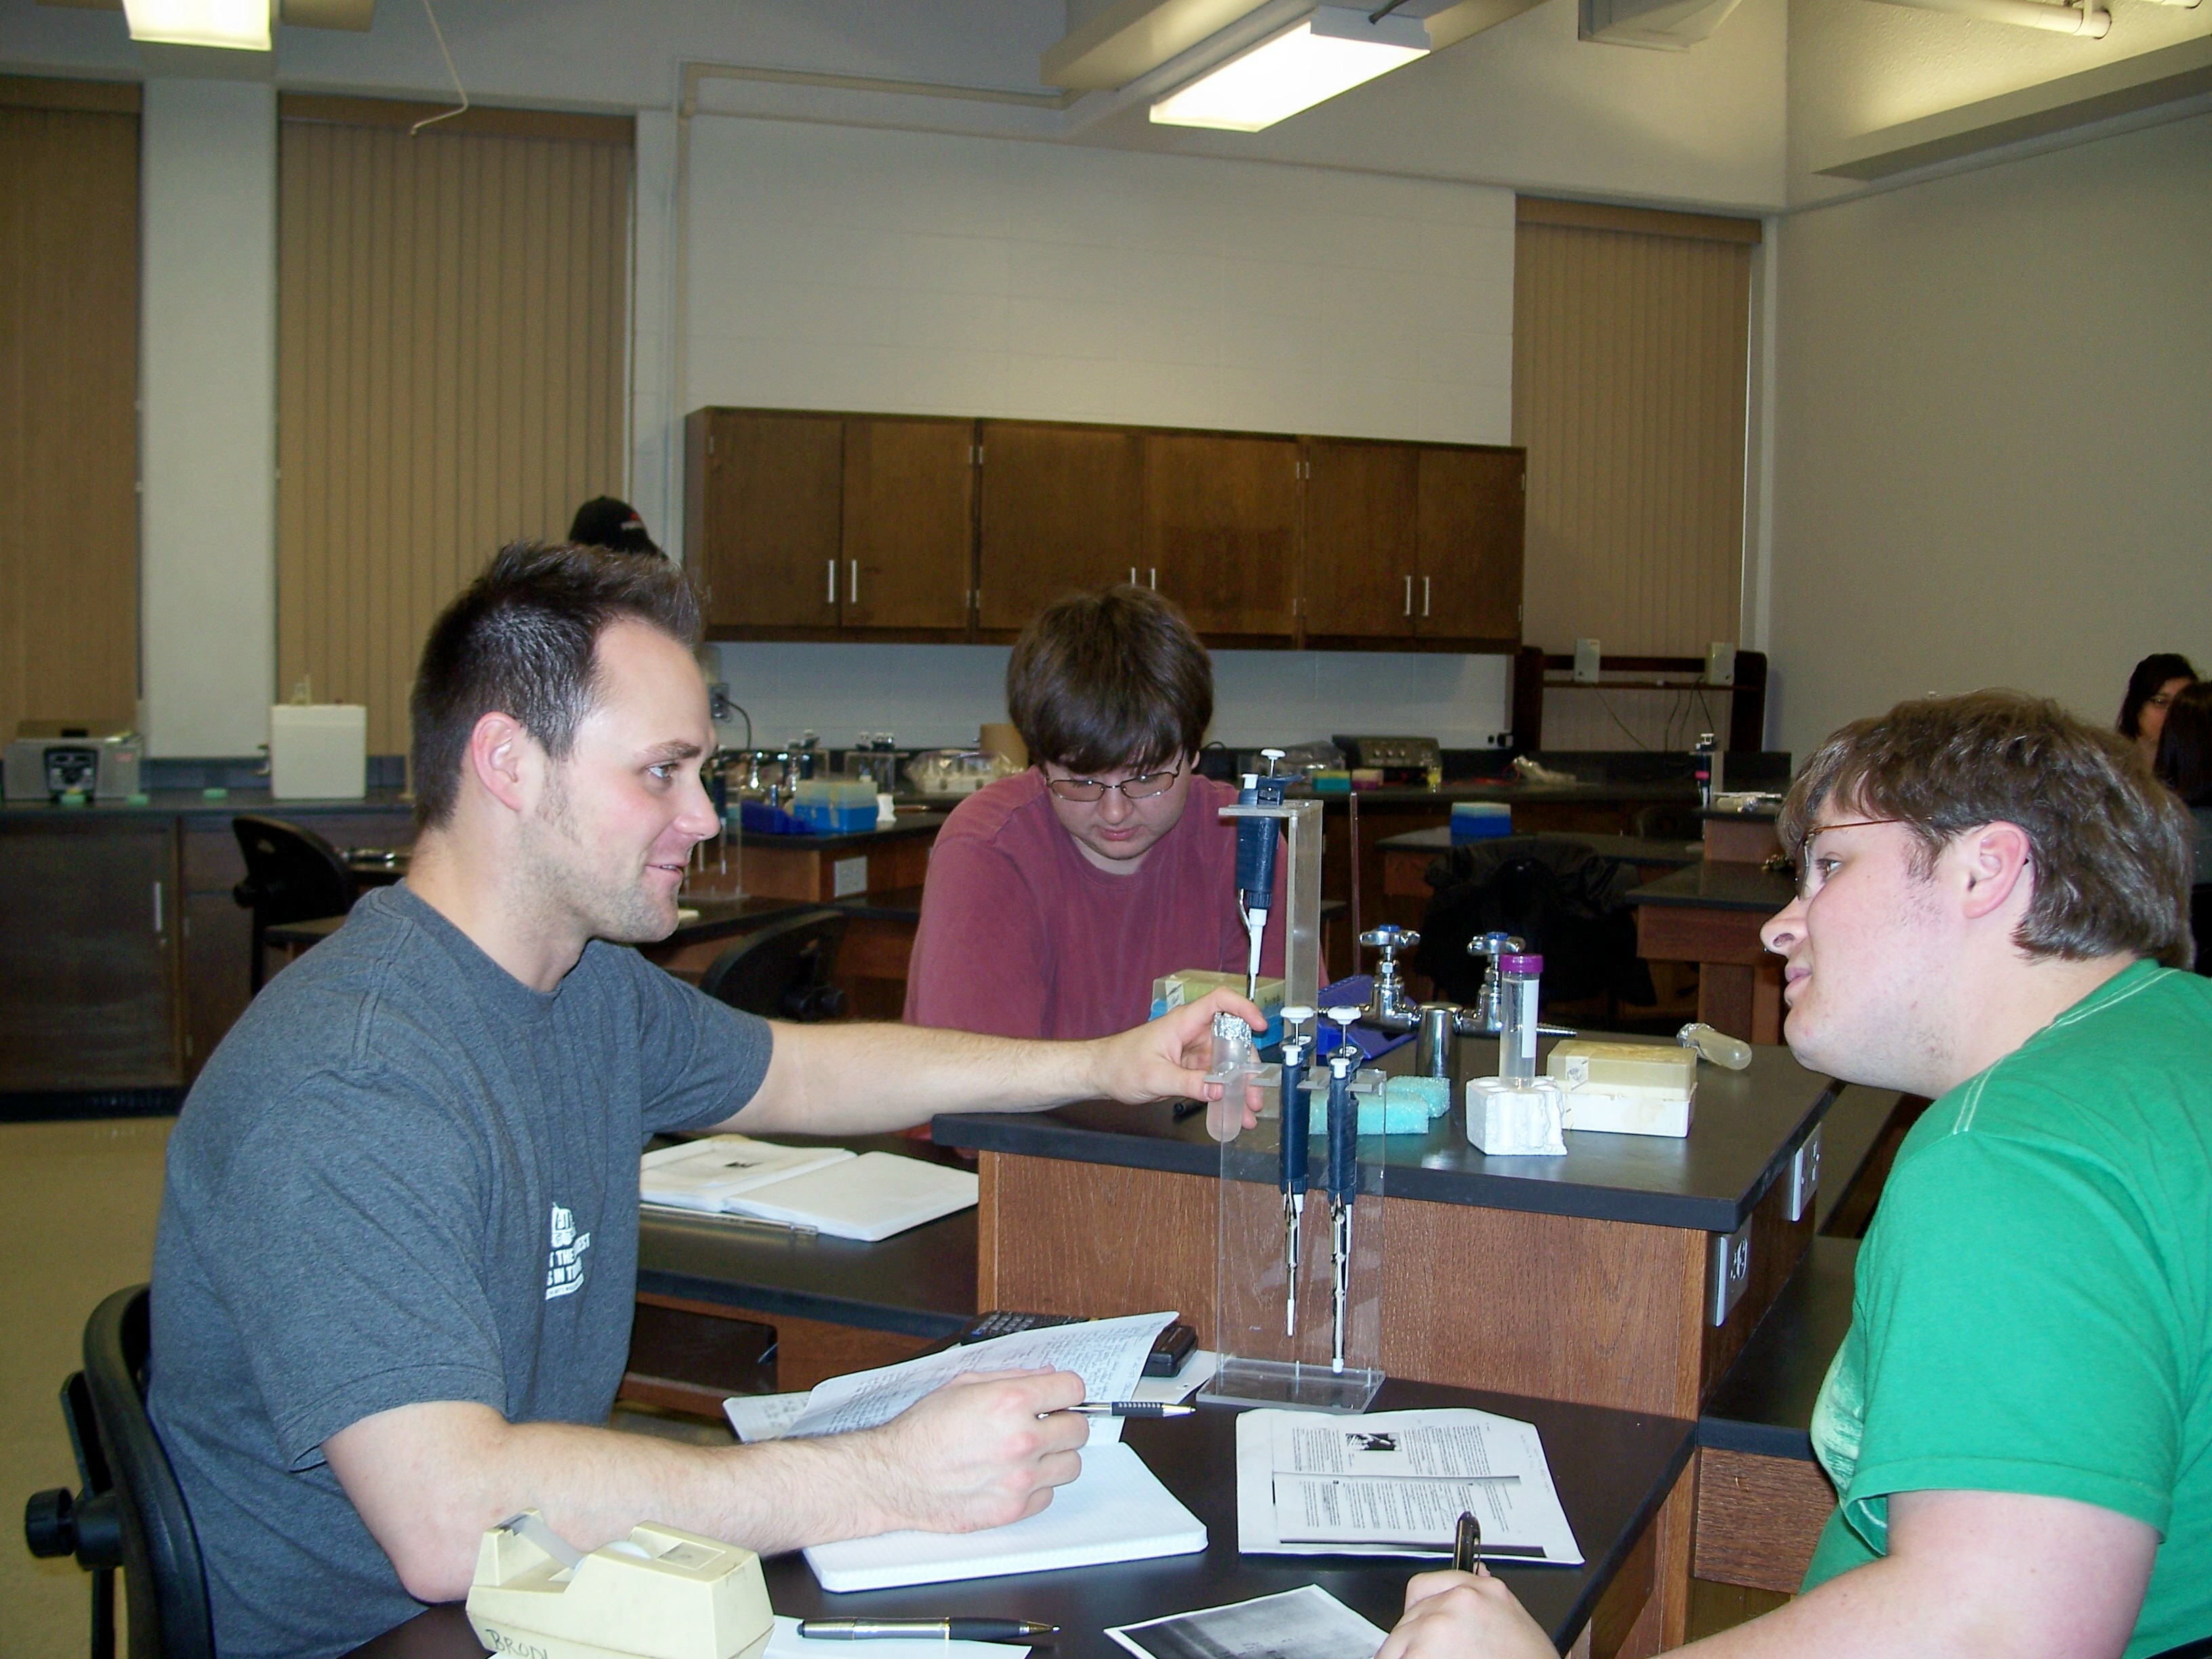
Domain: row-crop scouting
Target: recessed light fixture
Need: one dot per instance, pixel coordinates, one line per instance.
(240, 25)
(1334, 50)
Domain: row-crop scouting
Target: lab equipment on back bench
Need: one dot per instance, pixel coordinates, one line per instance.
(1296, 1125)
(1255, 861)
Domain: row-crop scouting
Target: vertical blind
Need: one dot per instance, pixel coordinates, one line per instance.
(453, 314)
(1630, 342)
(68, 391)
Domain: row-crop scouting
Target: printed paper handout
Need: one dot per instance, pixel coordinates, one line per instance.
(1395, 1483)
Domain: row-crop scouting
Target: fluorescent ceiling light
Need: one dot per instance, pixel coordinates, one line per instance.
(240, 25)
(1334, 51)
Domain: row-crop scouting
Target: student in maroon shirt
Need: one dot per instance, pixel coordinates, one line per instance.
(1055, 898)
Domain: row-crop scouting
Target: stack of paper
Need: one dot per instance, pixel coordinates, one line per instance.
(1116, 1510)
(1395, 1483)
(869, 1197)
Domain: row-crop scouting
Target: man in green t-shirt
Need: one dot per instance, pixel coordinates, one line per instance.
(1992, 906)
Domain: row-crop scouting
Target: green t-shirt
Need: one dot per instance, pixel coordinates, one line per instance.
(2033, 1305)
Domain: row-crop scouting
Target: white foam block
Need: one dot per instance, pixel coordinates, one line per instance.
(1519, 1119)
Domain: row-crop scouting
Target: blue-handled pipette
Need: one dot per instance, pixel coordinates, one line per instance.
(1255, 861)
(1296, 1126)
(1343, 1185)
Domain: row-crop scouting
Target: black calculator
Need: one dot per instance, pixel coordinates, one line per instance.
(1171, 1348)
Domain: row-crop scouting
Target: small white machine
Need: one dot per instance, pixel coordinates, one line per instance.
(317, 751)
(659, 1593)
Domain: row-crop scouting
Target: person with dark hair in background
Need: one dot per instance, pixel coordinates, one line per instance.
(1055, 898)
(396, 1258)
(2151, 690)
(2019, 1422)
(603, 521)
(2185, 763)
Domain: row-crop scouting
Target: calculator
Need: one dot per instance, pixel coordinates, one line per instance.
(1169, 1348)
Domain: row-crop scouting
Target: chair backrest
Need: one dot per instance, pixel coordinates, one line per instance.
(782, 971)
(1556, 894)
(292, 874)
(162, 1572)
(2200, 925)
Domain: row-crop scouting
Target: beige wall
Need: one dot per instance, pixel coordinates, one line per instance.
(1994, 392)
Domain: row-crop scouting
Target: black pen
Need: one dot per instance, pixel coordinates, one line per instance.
(1466, 1547)
(941, 1630)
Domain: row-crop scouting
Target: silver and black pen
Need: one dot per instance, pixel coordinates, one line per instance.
(942, 1629)
(1130, 1408)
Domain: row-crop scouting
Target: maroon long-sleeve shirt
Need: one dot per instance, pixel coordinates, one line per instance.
(1023, 936)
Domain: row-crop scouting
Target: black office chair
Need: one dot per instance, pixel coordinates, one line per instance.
(292, 874)
(782, 971)
(1566, 901)
(2200, 925)
(131, 1512)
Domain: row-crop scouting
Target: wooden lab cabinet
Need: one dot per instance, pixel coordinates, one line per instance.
(909, 488)
(814, 527)
(765, 515)
(1221, 532)
(1413, 544)
(1062, 513)
(88, 960)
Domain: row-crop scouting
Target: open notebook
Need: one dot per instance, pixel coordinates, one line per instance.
(870, 1196)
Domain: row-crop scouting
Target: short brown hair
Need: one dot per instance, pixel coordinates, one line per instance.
(523, 639)
(2111, 847)
(1114, 678)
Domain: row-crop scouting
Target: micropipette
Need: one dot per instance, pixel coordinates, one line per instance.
(1343, 1185)
(1297, 1124)
(1255, 861)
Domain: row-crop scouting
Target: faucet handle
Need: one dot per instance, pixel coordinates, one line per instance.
(1494, 944)
(1389, 938)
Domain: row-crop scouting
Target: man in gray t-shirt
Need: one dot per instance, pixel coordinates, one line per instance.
(398, 1251)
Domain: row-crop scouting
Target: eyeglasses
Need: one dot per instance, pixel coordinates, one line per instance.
(1143, 786)
(1810, 876)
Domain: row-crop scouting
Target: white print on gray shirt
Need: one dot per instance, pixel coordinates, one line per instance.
(564, 1263)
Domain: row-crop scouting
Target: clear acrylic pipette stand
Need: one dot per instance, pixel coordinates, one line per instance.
(1260, 1363)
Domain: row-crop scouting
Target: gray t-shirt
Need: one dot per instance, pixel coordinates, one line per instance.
(405, 1176)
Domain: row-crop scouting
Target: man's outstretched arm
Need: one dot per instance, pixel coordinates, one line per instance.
(855, 1078)
(1969, 1575)
(428, 1479)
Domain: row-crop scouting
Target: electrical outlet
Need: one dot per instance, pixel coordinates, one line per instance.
(1728, 1271)
(1804, 1177)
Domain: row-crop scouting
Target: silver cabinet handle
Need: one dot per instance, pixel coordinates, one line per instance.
(157, 907)
(1133, 576)
(831, 598)
(1409, 595)
(1152, 578)
(1425, 596)
(853, 596)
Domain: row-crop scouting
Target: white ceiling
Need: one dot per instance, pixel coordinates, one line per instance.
(1525, 104)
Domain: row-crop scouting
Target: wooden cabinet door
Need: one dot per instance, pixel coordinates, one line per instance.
(765, 523)
(909, 524)
(1221, 530)
(1360, 580)
(1473, 510)
(89, 913)
(1060, 513)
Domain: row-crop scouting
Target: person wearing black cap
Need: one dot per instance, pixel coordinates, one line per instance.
(603, 521)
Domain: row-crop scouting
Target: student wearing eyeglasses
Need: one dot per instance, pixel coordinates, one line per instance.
(1055, 898)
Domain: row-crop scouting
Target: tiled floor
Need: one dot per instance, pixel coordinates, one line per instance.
(77, 1205)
